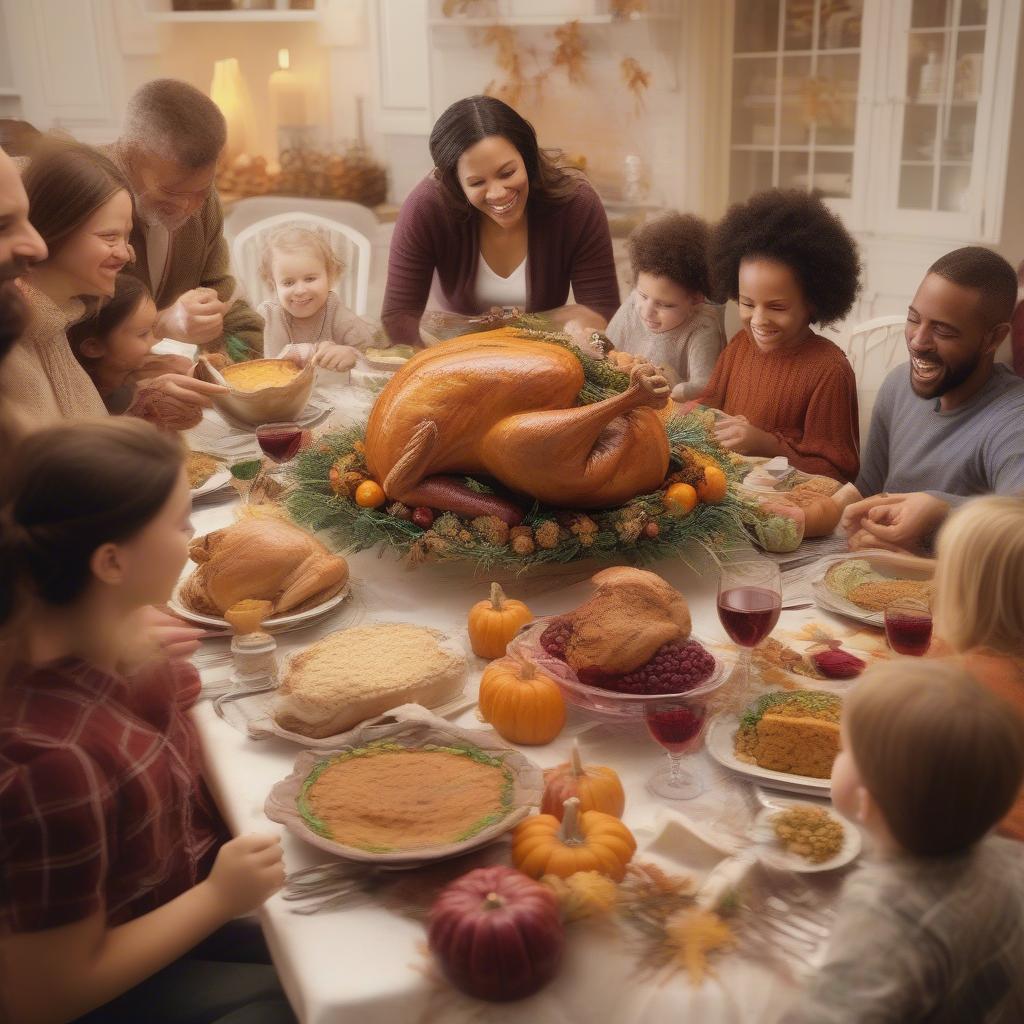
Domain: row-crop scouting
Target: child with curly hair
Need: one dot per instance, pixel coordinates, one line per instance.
(307, 319)
(667, 319)
(931, 927)
(789, 262)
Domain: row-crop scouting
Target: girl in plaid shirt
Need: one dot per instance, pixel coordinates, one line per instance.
(113, 863)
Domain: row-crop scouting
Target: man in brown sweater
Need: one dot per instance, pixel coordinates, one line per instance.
(173, 135)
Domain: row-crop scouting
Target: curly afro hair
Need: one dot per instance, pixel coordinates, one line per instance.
(797, 229)
(675, 246)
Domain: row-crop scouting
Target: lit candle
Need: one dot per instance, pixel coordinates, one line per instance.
(288, 99)
(228, 91)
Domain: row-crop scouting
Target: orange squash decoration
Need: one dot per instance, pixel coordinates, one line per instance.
(492, 623)
(522, 705)
(370, 494)
(680, 499)
(712, 487)
(597, 787)
(587, 841)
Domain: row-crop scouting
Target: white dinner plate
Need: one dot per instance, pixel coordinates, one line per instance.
(772, 851)
(885, 562)
(275, 624)
(218, 478)
(720, 743)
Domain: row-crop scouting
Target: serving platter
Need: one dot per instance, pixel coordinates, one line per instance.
(275, 624)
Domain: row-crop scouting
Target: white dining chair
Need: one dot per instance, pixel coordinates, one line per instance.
(873, 347)
(243, 212)
(350, 245)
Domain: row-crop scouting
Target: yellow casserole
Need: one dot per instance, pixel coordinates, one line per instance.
(260, 374)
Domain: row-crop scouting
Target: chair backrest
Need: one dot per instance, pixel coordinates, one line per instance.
(244, 212)
(351, 246)
(874, 348)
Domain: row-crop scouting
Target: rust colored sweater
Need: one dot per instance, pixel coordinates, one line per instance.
(805, 396)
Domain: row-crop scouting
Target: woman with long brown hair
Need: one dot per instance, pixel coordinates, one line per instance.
(497, 223)
(80, 204)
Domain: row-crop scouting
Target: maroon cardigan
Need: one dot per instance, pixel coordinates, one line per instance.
(567, 242)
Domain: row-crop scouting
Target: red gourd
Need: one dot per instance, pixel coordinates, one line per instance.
(497, 934)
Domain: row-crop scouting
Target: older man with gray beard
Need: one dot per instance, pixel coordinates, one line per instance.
(172, 138)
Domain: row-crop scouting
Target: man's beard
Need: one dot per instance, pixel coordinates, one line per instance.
(153, 218)
(13, 313)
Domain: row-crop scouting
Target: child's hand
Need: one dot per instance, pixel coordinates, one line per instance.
(739, 435)
(248, 870)
(297, 354)
(338, 358)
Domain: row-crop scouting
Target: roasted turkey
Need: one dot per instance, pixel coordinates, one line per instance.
(263, 559)
(502, 405)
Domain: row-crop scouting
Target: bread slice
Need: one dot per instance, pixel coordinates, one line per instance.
(364, 671)
(877, 595)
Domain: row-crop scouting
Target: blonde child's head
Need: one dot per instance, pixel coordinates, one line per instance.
(979, 582)
(302, 268)
(931, 761)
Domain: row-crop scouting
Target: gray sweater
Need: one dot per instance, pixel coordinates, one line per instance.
(976, 449)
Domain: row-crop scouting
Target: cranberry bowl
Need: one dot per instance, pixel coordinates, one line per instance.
(685, 670)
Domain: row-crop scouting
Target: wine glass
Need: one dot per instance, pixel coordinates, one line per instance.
(908, 627)
(677, 722)
(280, 443)
(749, 604)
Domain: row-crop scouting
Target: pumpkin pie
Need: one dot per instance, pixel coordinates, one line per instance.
(387, 798)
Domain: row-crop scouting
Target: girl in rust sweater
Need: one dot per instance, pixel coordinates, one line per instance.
(788, 262)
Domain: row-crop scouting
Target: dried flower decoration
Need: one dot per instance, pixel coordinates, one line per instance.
(571, 52)
(637, 80)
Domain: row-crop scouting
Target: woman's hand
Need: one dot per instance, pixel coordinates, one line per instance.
(338, 358)
(902, 522)
(738, 434)
(182, 388)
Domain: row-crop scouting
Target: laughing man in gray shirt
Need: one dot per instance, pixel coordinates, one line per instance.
(949, 424)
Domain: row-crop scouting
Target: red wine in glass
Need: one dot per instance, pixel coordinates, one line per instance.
(908, 626)
(279, 441)
(676, 729)
(749, 604)
(749, 614)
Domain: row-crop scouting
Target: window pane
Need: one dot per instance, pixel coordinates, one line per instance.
(839, 24)
(797, 111)
(757, 26)
(795, 170)
(833, 174)
(916, 187)
(750, 171)
(799, 27)
(834, 100)
(954, 184)
(753, 121)
(931, 13)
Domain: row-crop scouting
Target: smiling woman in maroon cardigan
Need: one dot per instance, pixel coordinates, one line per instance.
(501, 224)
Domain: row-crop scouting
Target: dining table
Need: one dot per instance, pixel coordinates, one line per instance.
(368, 960)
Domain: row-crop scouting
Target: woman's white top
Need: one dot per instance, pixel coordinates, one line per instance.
(494, 290)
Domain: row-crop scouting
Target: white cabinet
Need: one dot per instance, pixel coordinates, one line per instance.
(67, 79)
(897, 110)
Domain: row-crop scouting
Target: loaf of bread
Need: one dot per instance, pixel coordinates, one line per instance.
(361, 672)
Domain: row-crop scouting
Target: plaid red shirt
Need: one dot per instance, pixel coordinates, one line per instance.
(102, 803)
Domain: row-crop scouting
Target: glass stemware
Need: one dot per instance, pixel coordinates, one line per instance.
(280, 443)
(677, 723)
(908, 627)
(749, 604)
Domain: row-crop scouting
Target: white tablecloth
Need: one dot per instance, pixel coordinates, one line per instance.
(369, 964)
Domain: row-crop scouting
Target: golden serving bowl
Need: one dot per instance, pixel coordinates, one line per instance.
(267, 404)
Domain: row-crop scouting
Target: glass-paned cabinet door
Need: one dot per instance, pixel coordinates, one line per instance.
(951, 120)
(796, 69)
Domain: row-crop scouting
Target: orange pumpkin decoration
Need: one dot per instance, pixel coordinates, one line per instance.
(370, 494)
(712, 486)
(597, 787)
(587, 841)
(494, 622)
(680, 499)
(524, 706)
